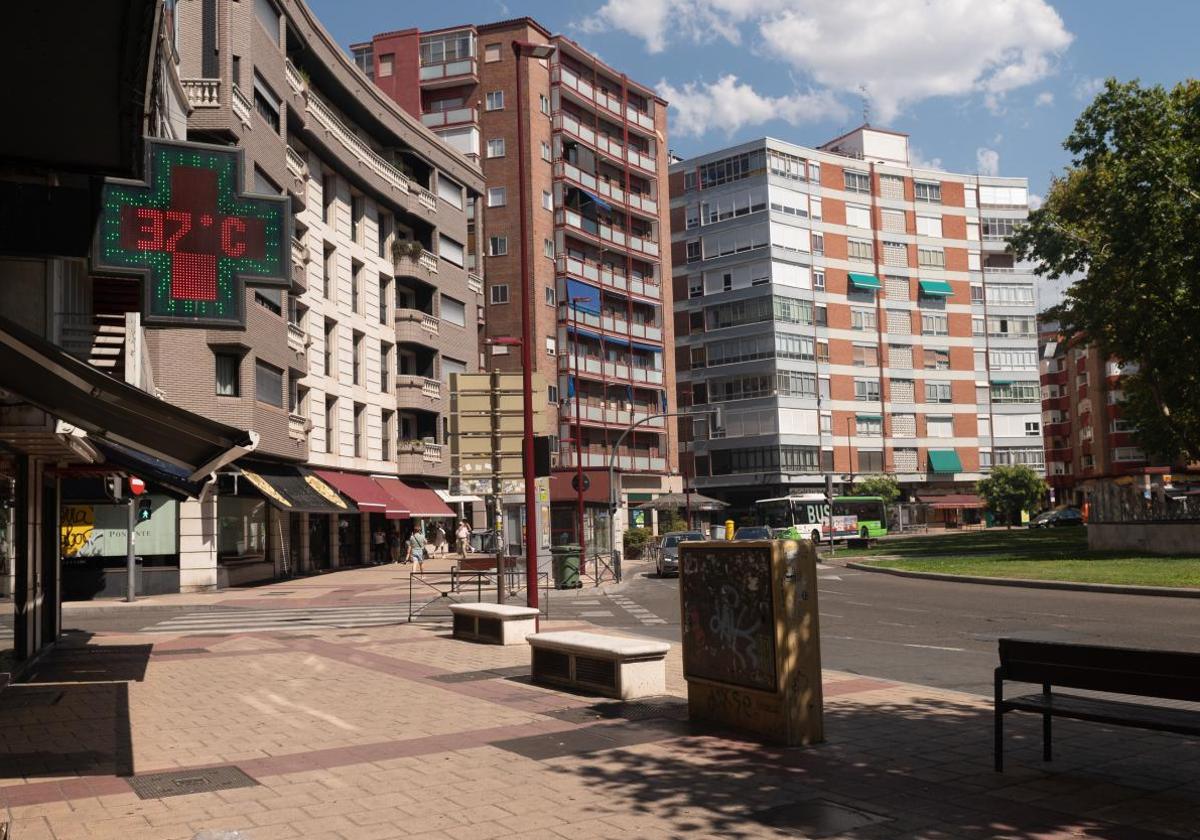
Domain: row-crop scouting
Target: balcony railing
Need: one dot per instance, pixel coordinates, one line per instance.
(451, 116)
(599, 457)
(373, 160)
(448, 70)
(569, 79)
(294, 79)
(296, 164)
(299, 251)
(597, 411)
(603, 142)
(424, 261)
(475, 283)
(297, 338)
(613, 324)
(607, 233)
(605, 276)
(202, 93)
(240, 104)
(587, 180)
(428, 200)
(621, 370)
(430, 323)
(297, 426)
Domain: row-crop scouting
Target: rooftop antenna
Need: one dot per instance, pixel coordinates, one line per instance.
(866, 105)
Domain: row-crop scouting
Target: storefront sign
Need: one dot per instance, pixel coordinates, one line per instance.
(98, 530)
(193, 235)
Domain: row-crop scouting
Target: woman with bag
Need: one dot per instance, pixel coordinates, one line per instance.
(416, 549)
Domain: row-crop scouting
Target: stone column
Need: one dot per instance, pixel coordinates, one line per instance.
(198, 544)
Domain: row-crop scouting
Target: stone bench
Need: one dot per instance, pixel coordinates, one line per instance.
(498, 624)
(614, 666)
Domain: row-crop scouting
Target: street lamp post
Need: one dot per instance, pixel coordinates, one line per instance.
(522, 50)
(579, 512)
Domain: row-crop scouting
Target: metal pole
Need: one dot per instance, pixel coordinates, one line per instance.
(531, 547)
(578, 438)
(130, 559)
(499, 509)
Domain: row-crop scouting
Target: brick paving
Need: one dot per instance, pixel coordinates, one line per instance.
(400, 731)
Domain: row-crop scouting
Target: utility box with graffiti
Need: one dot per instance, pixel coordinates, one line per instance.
(751, 637)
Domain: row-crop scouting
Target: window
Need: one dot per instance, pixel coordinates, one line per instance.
(893, 221)
(860, 249)
(1003, 196)
(997, 230)
(494, 100)
(934, 324)
(939, 427)
(818, 243)
(859, 182)
(929, 226)
(356, 270)
(1128, 453)
(866, 355)
(818, 280)
(357, 208)
(551, 296)
(891, 186)
(544, 103)
(1014, 360)
(1010, 295)
(360, 429)
(268, 16)
(547, 200)
(857, 216)
(498, 246)
(1012, 325)
(388, 419)
(497, 196)
(228, 367)
(385, 366)
(451, 250)
(976, 293)
(1033, 428)
(495, 148)
(551, 346)
(927, 191)
(1027, 455)
(978, 326)
(546, 151)
(491, 53)
(384, 233)
(731, 169)
(330, 424)
(330, 346)
(870, 460)
(266, 103)
(694, 252)
(386, 63)
(356, 362)
(695, 287)
(453, 311)
(450, 191)
(269, 299)
(548, 248)
(384, 293)
(1016, 392)
(868, 426)
(863, 319)
(973, 263)
(552, 394)
(268, 384)
(499, 293)
(937, 392)
(726, 282)
(936, 359)
(931, 257)
(866, 389)
(329, 200)
(329, 270)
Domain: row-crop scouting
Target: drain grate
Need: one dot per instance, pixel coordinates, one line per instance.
(476, 676)
(181, 782)
(651, 708)
(180, 652)
(20, 697)
(815, 818)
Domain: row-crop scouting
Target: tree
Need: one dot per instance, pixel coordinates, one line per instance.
(1126, 215)
(883, 486)
(1010, 490)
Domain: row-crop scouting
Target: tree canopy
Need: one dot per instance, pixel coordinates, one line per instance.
(1126, 215)
(883, 486)
(1008, 490)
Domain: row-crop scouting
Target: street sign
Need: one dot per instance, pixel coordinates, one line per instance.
(587, 482)
(136, 486)
(193, 235)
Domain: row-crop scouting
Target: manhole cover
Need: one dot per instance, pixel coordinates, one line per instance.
(475, 676)
(815, 818)
(19, 697)
(181, 782)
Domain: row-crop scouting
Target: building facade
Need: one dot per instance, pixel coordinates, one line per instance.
(591, 208)
(346, 372)
(852, 315)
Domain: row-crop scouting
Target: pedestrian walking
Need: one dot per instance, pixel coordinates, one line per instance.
(416, 549)
(379, 546)
(439, 539)
(463, 538)
(396, 545)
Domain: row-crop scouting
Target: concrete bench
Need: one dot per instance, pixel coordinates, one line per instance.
(614, 666)
(498, 624)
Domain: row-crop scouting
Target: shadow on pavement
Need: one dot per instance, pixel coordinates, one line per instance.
(920, 769)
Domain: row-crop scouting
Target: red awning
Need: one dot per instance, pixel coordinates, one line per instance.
(951, 501)
(419, 502)
(368, 495)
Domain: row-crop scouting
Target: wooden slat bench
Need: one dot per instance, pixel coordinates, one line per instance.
(1160, 674)
(498, 624)
(614, 666)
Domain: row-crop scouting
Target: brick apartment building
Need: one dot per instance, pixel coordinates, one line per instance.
(1088, 442)
(344, 375)
(595, 217)
(853, 315)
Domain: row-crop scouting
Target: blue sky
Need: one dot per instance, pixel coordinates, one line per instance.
(978, 85)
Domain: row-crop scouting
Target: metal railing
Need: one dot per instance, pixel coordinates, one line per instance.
(202, 93)
(430, 595)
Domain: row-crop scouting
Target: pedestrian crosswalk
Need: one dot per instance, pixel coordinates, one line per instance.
(643, 615)
(302, 618)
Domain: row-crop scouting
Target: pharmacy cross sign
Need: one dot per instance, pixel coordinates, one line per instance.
(193, 235)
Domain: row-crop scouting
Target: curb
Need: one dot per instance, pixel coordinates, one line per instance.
(1110, 588)
(126, 608)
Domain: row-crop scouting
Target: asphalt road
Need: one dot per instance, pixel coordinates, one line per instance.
(920, 631)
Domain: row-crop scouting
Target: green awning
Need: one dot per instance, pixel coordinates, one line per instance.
(944, 461)
(1002, 382)
(935, 288)
(868, 416)
(865, 281)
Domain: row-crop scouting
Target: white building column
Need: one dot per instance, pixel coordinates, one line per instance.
(198, 544)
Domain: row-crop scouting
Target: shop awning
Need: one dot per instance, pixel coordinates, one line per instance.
(935, 288)
(585, 297)
(294, 488)
(45, 376)
(174, 480)
(457, 499)
(871, 417)
(419, 502)
(865, 281)
(951, 501)
(944, 461)
(366, 493)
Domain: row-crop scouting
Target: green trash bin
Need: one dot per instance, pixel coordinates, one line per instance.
(566, 566)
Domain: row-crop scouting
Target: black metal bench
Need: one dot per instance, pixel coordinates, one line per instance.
(1161, 674)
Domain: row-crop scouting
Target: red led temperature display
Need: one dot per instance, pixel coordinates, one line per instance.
(193, 234)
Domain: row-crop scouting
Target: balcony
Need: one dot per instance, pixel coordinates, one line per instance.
(449, 73)
(601, 413)
(418, 393)
(475, 284)
(417, 327)
(415, 262)
(604, 144)
(606, 233)
(295, 78)
(298, 426)
(299, 264)
(354, 144)
(453, 116)
(586, 180)
(415, 457)
(202, 93)
(297, 339)
(588, 94)
(646, 287)
(614, 325)
(621, 371)
(627, 460)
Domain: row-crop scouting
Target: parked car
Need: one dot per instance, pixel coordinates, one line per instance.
(1057, 518)
(667, 561)
(752, 532)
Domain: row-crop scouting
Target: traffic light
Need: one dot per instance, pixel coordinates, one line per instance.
(112, 487)
(144, 510)
(541, 456)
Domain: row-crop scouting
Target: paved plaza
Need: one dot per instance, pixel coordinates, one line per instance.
(397, 730)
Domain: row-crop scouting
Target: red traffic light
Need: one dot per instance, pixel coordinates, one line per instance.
(136, 486)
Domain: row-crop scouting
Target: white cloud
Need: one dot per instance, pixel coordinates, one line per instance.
(658, 21)
(728, 104)
(1044, 99)
(1035, 201)
(987, 161)
(920, 162)
(1085, 88)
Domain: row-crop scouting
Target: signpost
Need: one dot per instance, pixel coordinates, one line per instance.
(194, 236)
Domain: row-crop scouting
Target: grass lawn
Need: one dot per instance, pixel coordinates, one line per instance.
(1050, 554)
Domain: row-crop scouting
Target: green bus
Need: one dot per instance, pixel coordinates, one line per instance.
(809, 514)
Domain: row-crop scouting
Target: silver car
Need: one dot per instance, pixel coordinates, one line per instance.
(668, 551)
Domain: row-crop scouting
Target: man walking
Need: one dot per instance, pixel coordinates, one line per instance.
(463, 538)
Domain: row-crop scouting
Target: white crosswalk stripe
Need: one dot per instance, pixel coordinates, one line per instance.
(304, 618)
(639, 612)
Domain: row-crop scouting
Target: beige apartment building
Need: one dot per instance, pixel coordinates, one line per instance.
(344, 375)
(592, 212)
